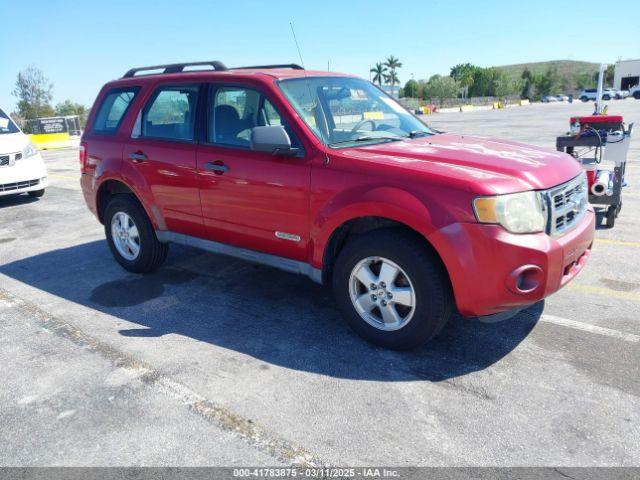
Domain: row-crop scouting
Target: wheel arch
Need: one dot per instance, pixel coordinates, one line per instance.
(111, 187)
(360, 224)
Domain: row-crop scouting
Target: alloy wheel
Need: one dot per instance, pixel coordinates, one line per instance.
(382, 293)
(125, 236)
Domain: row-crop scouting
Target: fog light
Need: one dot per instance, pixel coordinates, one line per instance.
(525, 279)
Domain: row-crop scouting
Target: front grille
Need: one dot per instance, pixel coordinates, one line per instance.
(4, 160)
(567, 205)
(7, 187)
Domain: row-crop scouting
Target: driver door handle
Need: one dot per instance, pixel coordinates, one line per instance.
(217, 167)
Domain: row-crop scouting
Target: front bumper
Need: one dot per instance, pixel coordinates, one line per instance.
(492, 270)
(24, 175)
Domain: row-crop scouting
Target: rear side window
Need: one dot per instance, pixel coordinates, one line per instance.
(113, 109)
(171, 113)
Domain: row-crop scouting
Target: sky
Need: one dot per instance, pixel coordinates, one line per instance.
(80, 45)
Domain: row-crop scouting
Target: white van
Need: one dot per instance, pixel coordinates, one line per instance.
(21, 167)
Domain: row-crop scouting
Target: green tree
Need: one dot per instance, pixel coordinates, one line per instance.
(379, 72)
(585, 80)
(547, 83)
(70, 108)
(528, 88)
(393, 64)
(609, 74)
(440, 88)
(391, 78)
(34, 93)
(463, 74)
(410, 89)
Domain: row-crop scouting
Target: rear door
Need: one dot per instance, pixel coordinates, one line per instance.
(163, 150)
(251, 199)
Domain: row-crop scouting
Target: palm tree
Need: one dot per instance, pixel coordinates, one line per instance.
(393, 64)
(379, 73)
(391, 78)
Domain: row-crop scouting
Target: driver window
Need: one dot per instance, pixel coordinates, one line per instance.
(233, 114)
(234, 111)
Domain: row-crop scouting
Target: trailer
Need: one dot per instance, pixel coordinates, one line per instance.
(596, 139)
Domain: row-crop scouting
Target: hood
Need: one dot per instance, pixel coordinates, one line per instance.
(13, 142)
(493, 166)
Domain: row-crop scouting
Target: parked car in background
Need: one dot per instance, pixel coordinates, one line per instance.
(326, 175)
(635, 92)
(591, 94)
(21, 167)
(555, 98)
(620, 94)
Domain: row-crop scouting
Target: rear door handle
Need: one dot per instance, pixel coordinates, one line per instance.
(137, 157)
(217, 167)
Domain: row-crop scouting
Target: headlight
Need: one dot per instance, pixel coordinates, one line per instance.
(29, 151)
(517, 212)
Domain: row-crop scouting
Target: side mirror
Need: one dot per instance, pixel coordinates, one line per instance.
(272, 139)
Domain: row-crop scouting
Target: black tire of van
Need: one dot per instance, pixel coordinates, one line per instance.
(432, 290)
(152, 253)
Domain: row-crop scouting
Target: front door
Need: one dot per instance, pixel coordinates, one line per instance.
(163, 151)
(251, 199)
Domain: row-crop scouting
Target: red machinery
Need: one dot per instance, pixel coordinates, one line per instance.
(594, 139)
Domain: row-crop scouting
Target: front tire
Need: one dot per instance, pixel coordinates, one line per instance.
(131, 237)
(392, 289)
(36, 193)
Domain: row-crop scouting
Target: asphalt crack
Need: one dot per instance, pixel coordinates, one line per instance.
(256, 435)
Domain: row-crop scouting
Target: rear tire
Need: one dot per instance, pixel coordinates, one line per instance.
(584, 99)
(636, 95)
(134, 246)
(36, 193)
(419, 276)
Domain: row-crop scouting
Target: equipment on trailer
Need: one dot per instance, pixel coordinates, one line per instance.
(601, 146)
(593, 139)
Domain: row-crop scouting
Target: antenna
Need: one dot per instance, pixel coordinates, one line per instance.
(295, 39)
(297, 46)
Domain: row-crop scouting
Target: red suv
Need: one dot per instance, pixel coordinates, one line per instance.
(326, 175)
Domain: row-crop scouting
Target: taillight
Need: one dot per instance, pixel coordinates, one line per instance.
(82, 155)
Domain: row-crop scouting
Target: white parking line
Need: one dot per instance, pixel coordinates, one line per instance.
(585, 327)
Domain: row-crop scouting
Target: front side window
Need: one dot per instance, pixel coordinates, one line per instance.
(343, 111)
(113, 109)
(234, 111)
(171, 113)
(6, 124)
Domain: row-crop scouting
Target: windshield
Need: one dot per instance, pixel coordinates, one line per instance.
(6, 124)
(345, 111)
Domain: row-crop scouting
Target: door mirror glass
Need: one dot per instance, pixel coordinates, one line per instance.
(272, 139)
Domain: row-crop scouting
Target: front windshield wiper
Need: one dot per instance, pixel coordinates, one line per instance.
(366, 138)
(417, 133)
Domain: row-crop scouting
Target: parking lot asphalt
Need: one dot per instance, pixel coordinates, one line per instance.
(216, 361)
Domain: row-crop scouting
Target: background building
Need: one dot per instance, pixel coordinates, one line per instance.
(627, 74)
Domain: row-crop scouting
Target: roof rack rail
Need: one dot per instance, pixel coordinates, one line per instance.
(293, 66)
(175, 67)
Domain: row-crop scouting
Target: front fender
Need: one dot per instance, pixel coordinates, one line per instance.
(391, 203)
